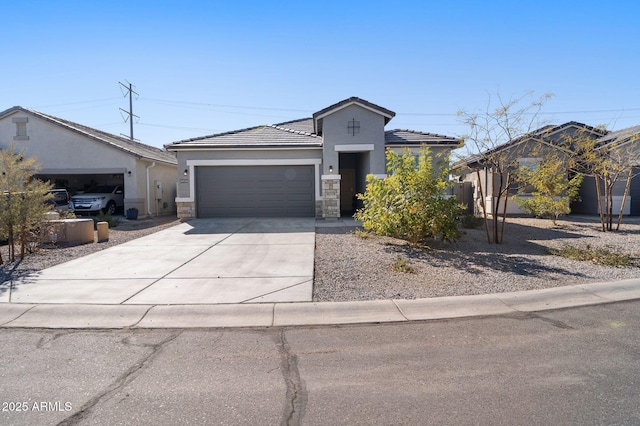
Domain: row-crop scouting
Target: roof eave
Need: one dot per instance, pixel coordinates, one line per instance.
(203, 146)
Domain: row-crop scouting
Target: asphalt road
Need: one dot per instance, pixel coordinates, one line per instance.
(570, 367)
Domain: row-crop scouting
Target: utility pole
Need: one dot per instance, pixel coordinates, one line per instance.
(128, 90)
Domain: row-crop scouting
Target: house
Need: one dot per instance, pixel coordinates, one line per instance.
(624, 142)
(307, 167)
(476, 171)
(76, 157)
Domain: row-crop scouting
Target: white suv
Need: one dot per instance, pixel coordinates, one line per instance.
(107, 198)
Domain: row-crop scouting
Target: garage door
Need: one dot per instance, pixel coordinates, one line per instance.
(262, 191)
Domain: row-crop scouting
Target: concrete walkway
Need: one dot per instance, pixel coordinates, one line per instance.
(208, 273)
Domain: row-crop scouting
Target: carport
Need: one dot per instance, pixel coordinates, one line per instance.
(78, 181)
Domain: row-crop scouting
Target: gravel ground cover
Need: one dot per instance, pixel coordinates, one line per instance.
(50, 255)
(350, 267)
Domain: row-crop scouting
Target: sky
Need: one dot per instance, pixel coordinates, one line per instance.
(205, 67)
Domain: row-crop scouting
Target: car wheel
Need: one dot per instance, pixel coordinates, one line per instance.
(111, 208)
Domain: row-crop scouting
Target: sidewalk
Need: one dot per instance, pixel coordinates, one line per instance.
(90, 316)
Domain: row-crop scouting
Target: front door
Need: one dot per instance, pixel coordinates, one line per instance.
(347, 190)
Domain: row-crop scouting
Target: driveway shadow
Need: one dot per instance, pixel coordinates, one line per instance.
(10, 273)
(250, 225)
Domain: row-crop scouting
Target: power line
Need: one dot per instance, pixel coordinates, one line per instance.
(166, 101)
(79, 102)
(428, 114)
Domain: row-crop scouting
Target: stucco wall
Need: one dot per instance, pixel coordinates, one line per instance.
(160, 202)
(184, 182)
(57, 148)
(335, 131)
(63, 151)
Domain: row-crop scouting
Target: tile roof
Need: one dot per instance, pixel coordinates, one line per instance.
(288, 134)
(355, 99)
(413, 137)
(303, 125)
(546, 133)
(300, 133)
(621, 136)
(318, 117)
(137, 149)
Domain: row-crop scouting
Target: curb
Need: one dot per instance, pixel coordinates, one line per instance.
(88, 316)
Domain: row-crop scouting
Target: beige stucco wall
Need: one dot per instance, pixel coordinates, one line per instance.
(57, 148)
(63, 151)
(161, 202)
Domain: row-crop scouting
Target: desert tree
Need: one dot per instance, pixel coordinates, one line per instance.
(609, 163)
(546, 189)
(503, 121)
(22, 201)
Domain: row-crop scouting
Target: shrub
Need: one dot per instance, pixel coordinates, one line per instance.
(411, 203)
(598, 256)
(362, 234)
(105, 217)
(401, 265)
(470, 221)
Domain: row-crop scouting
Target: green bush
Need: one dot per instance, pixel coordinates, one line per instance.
(105, 217)
(411, 203)
(598, 256)
(552, 189)
(401, 265)
(362, 234)
(470, 221)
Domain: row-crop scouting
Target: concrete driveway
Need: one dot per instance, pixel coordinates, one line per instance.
(203, 261)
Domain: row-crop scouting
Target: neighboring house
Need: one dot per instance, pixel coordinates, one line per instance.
(76, 157)
(523, 151)
(308, 167)
(627, 143)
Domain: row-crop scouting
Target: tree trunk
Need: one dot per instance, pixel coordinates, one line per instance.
(496, 236)
(600, 210)
(23, 242)
(504, 211)
(624, 199)
(10, 246)
(609, 194)
(484, 207)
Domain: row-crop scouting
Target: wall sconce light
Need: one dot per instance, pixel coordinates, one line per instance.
(129, 173)
(331, 169)
(186, 172)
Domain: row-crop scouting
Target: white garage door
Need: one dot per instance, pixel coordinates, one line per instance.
(261, 191)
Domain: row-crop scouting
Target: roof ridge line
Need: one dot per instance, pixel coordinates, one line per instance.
(298, 132)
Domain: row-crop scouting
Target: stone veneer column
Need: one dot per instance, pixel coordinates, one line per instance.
(186, 209)
(330, 196)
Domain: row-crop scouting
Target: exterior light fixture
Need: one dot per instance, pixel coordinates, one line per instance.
(331, 169)
(129, 172)
(186, 172)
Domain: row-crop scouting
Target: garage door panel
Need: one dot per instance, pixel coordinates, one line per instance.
(255, 191)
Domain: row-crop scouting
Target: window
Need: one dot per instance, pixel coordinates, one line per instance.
(530, 163)
(353, 127)
(21, 128)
